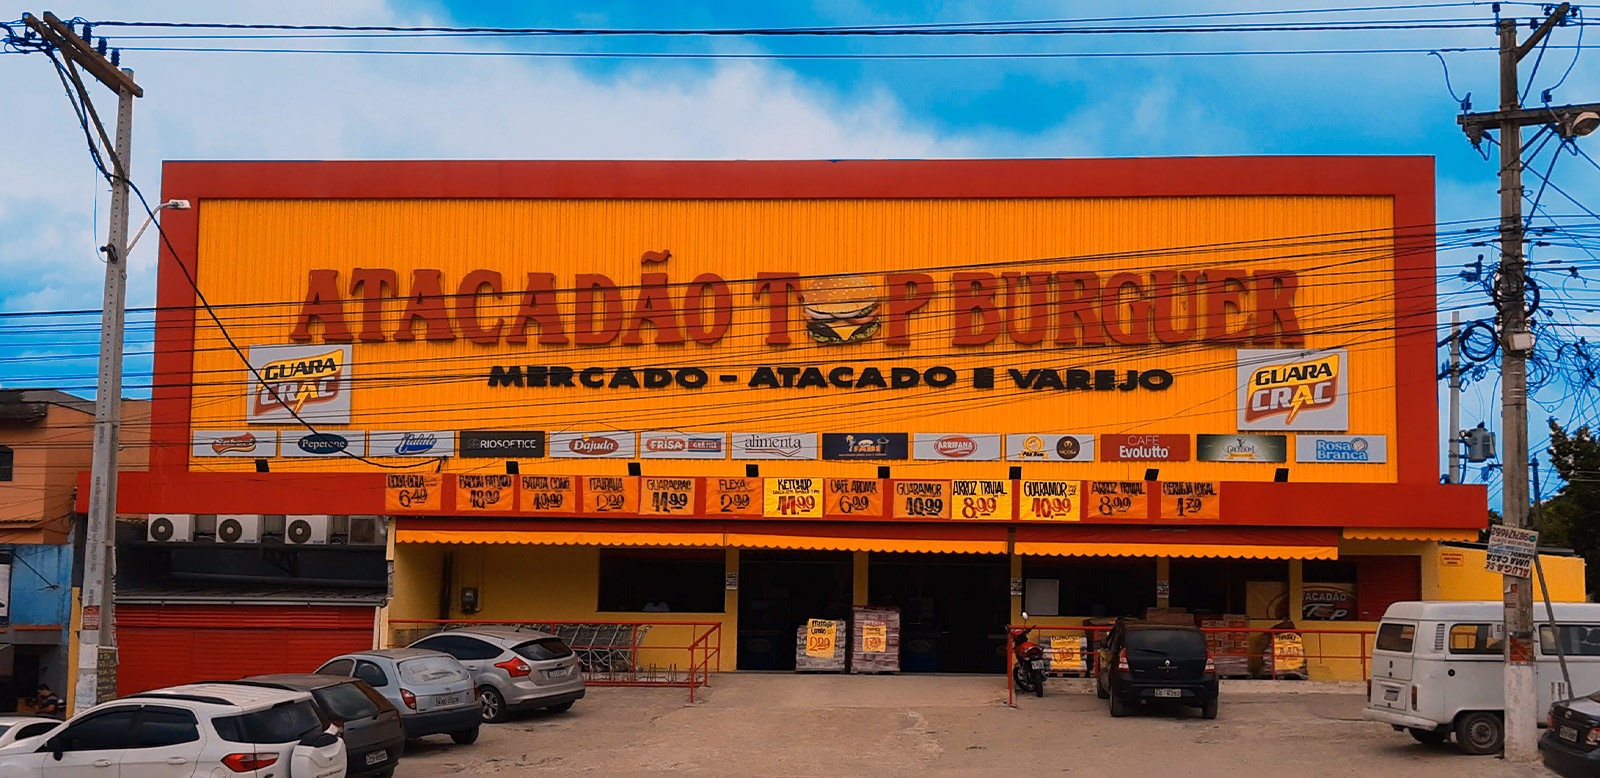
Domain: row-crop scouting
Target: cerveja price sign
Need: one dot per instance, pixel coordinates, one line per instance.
(1191, 500)
(793, 498)
(667, 496)
(874, 638)
(821, 635)
(734, 496)
(1116, 499)
(548, 494)
(981, 499)
(610, 494)
(413, 492)
(922, 499)
(1511, 551)
(1049, 501)
(849, 497)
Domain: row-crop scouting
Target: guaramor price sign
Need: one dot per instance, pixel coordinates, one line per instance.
(1511, 551)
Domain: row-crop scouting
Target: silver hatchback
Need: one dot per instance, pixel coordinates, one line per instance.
(432, 691)
(514, 668)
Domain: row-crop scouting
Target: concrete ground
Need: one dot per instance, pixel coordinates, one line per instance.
(828, 726)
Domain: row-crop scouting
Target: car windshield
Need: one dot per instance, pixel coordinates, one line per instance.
(345, 702)
(542, 649)
(431, 670)
(4, 728)
(1167, 642)
(284, 723)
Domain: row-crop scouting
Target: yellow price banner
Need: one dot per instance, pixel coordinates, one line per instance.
(853, 497)
(820, 638)
(1116, 499)
(1049, 501)
(981, 499)
(734, 496)
(667, 497)
(1191, 500)
(484, 492)
(413, 492)
(793, 498)
(610, 494)
(548, 494)
(1067, 654)
(922, 499)
(874, 638)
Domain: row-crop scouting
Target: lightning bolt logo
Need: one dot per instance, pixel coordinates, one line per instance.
(1292, 388)
(295, 383)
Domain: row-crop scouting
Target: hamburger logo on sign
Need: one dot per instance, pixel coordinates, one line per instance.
(245, 442)
(1290, 389)
(308, 382)
(840, 309)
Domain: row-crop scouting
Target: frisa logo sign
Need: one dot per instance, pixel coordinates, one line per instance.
(1288, 390)
(291, 384)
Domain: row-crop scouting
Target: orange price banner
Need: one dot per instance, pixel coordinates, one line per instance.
(413, 492)
(1050, 501)
(922, 499)
(610, 494)
(981, 499)
(484, 492)
(793, 498)
(1191, 500)
(1116, 499)
(548, 494)
(667, 496)
(853, 497)
(734, 496)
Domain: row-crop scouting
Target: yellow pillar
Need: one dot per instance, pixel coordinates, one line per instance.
(1163, 573)
(858, 587)
(1296, 589)
(1016, 600)
(730, 617)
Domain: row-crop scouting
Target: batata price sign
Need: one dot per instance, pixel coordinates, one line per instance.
(667, 496)
(793, 498)
(734, 496)
(1049, 501)
(413, 492)
(1116, 499)
(610, 494)
(1511, 551)
(922, 499)
(981, 499)
(1191, 500)
(853, 497)
(548, 494)
(483, 492)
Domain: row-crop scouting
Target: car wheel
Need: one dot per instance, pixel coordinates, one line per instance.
(1099, 688)
(1118, 707)
(492, 704)
(1480, 732)
(465, 737)
(1021, 678)
(562, 708)
(1430, 737)
(1209, 708)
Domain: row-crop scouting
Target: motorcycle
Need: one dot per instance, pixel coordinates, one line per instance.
(1028, 667)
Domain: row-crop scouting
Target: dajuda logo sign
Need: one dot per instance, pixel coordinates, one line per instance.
(1284, 389)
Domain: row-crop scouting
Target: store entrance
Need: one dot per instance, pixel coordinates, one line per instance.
(778, 592)
(953, 609)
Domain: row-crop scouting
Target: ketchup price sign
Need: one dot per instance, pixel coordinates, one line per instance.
(793, 498)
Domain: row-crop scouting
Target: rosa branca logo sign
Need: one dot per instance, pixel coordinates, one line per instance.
(411, 443)
(1358, 449)
(1294, 389)
(311, 382)
(592, 445)
(972, 447)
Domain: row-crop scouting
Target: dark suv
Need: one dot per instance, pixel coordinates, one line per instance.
(1141, 661)
(369, 723)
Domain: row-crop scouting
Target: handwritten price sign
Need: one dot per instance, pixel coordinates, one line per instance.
(922, 499)
(821, 638)
(1117, 499)
(793, 498)
(981, 499)
(1050, 501)
(413, 492)
(847, 497)
(484, 492)
(874, 638)
(668, 496)
(548, 494)
(610, 494)
(1191, 500)
(734, 496)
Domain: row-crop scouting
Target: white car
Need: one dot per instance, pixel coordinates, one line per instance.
(16, 726)
(206, 729)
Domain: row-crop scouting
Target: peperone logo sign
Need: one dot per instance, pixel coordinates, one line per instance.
(1286, 389)
(311, 382)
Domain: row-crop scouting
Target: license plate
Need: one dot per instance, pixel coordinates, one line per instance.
(377, 757)
(1038, 664)
(558, 672)
(1169, 692)
(1569, 733)
(444, 700)
(1390, 695)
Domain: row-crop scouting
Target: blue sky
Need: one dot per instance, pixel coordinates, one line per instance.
(243, 106)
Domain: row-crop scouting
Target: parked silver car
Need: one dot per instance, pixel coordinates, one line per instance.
(432, 691)
(514, 668)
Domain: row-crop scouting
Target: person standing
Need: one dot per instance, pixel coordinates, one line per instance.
(47, 702)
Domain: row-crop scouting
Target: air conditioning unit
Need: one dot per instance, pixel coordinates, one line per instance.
(366, 531)
(306, 530)
(239, 528)
(170, 528)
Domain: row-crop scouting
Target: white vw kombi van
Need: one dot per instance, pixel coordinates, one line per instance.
(1438, 668)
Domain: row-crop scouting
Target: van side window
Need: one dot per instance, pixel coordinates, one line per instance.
(1476, 639)
(1396, 637)
(1576, 639)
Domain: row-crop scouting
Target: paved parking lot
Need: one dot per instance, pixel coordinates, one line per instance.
(831, 726)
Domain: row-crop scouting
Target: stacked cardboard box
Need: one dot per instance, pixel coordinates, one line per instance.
(1069, 655)
(806, 663)
(1230, 650)
(1169, 616)
(875, 640)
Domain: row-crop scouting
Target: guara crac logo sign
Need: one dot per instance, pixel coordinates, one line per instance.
(1292, 389)
(311, 382)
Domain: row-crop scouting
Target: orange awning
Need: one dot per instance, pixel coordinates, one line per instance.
(801, 535)
(1404, 533)
(1184, 542)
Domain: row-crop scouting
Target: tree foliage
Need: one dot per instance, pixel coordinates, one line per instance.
(1572, 517)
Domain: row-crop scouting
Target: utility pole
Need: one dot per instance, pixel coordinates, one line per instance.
(96, 672)
(1521, 713)
(1453, 434)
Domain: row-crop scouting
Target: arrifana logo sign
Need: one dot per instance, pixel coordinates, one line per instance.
(969, 447)
(411, 443)
(593, 445)
(1358, 449)
(333, 443)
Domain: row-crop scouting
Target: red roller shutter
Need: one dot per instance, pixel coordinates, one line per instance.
(1382, 581)
(165, 645)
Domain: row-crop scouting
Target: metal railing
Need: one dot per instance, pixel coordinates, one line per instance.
(1270, 657)
(611, 653)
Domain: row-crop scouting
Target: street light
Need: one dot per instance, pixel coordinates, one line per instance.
(176, 205)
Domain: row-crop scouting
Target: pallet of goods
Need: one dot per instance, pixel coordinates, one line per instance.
(1230, 650)
(875, 640)
(1068, 655)
(819, 646)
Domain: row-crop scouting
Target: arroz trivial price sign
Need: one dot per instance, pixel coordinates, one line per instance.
(1511, 551)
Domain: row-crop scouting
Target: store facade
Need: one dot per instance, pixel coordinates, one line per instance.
(757, 393)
